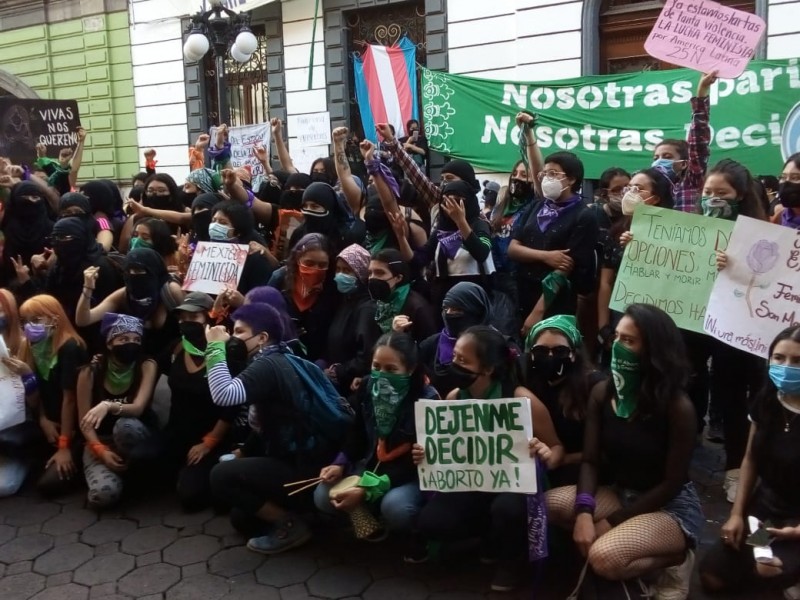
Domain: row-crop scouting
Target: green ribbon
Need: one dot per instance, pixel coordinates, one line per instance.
(215, 354)
(375, 486)
(388, 392)
(627, 374)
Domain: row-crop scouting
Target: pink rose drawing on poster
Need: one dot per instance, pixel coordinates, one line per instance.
(705, 36)
(761, 260)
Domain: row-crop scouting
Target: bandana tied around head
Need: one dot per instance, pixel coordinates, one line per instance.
(566, 324)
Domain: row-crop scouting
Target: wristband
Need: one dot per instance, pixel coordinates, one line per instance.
(30, 382)
(63, 442)
(98, 448)
(585, 503)
(210, 442)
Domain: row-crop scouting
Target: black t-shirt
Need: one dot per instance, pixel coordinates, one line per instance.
(63, 377)
(777, 455)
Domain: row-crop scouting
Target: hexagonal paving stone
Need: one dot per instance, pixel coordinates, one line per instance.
(6, 533)
(396, 589)
(69, 521)
(183, 519)
(32, 514)
(63, 558)
(70, 591)
(219, 526)
(338, 582)
(108, 530)
(234, 561)
(21, 586)
(104, 569)
(148, 539)
(248, 590)
(191, 550)
(207, 587)
(152, 579)
(284, 570)
(26, 547)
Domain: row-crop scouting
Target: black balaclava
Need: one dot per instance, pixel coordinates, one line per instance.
(102, 197)
(470, 298)
(201, 220)
(375, 217)
(142, 290)
(26, 225)
(293, 199)
(82, 249)
(325, 196)
(464, 171)
(472, 209)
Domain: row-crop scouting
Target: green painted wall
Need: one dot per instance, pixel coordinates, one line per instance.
(88, 60)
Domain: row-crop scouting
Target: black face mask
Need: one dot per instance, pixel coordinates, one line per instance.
(69, 252)
(269, 193)
(321, 178)
(455, 324)
(789, 194)
(157, 202)
(519, 188)
(379, 289)
(292, 199)
(200, 222)
(126, 354)
(142, 286)
(550, 368)
(194, 333)
(236, 351)
(376, 220)
(462, 378)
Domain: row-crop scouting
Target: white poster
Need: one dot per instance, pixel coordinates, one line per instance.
(215, 267)
(757, 295)
(243, 141)
(312, 129)
(304, 156)
(476, 445)
(12, 399)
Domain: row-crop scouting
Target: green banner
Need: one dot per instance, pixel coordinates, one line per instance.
(671, 262)
(615, 120)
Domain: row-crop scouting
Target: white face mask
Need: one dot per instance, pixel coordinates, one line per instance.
(551, 188)
(630, 201)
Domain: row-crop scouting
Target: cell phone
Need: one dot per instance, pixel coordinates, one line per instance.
(415, 136)
(759, 537)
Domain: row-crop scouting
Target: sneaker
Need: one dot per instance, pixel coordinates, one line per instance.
(731, 484)
(289, 533)
(792, 593)
(673, 583)
(506, 578)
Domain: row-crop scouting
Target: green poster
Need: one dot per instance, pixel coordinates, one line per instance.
(671, 263)
(615, 120)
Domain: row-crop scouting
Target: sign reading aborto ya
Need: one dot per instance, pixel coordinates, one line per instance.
(476, 445)
(671, 263)
(615, 120)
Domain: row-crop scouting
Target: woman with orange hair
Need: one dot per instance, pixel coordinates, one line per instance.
(14, 440)
(57, 351)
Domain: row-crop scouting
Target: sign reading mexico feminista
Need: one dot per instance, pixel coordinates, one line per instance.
(215, 267)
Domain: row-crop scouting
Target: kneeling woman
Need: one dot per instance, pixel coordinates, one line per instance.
(485, 367)
(640, 431)
(379, 444)
(769, 484)
(114, 395)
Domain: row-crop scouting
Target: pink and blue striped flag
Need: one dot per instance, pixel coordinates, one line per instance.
(386, 86)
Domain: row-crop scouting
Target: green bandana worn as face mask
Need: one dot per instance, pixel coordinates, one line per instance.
(625, 368)
(719, 208)
(388, 392)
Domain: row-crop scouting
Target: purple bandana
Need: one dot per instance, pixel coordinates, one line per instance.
(789, 219)
(444, 351)
(537, 519)
(450, 242)
(550, 211)
(376, 167)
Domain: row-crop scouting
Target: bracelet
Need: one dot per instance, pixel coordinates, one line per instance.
(97, 448)
(210, 442)
(30, 382)
(63, 442)
(585, 503)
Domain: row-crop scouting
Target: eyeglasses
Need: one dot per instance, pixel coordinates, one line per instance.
(791, 177)
(542, 352)
(635, 189)
(551, 173)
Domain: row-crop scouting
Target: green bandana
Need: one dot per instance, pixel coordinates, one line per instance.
(566, 324)
(138, 242)
(513, 206)
(388, 392)
(119, 380)
(44, 358)
(190, 348)
(625, 368)
(719, 208)
(376, 243)
(215, 354)
(552, 285)
(386, 311)
(375, 486)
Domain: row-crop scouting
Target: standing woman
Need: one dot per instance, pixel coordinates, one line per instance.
(640, 432)
(769, 485)
(58, 352)
(555, 244)
(114, 396)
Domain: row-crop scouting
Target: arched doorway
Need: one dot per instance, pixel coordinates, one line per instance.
(11, 85)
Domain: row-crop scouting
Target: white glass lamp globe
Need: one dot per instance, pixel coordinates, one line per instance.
(196, 46)
(238, 55)
(246, 42)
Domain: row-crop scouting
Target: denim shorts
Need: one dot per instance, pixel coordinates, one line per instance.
(685, 508)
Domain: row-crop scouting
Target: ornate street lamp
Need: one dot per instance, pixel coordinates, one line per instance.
(221, 30)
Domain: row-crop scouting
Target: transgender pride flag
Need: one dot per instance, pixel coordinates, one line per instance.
(386, 86)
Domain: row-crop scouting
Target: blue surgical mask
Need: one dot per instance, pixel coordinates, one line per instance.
(667, 165)
(346, 283)
(218, 232)
(785, 378)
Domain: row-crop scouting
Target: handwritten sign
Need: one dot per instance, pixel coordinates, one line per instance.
(757, 295)
(304, 156)
(705, 36)
(12, 398)
(312, 129)
(671, 263)
(243, 141)
(215, 267)
(25, 123)
(476, 445)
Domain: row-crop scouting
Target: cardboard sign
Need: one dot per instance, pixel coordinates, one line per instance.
(757, 295)
(476, 445)
(671, 263)
(705, 36)
(312, 129)
(25, 123)
(243, 141)
(215, 267)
